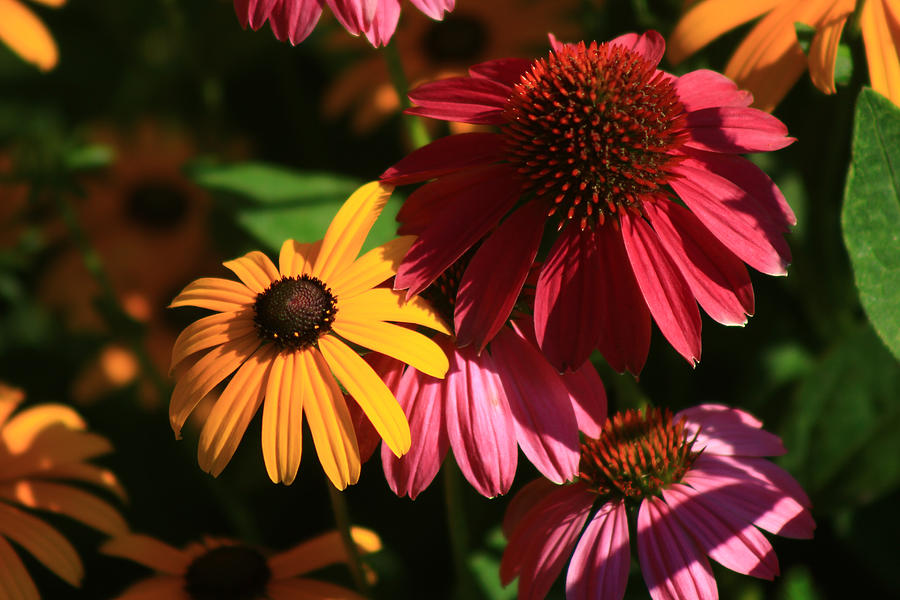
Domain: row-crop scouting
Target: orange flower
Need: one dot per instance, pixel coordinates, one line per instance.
(43, 449)
(769, 60)
(219, 568)
(26, 35)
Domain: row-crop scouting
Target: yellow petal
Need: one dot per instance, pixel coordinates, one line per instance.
(383, 304)
(10, 398)
(215, 294)
(824, 47)
(282, 420)
(322, 551)
(329, 421)
(706, 21)
(210, 331)
(349, 228)
(369, 391)
(41, 541)
(66, 500)
(255, 270)
(372, 268)
(880, 23)
(22, 31)
(21, 432)
(149, 552)
(232, 412)
(403, 344)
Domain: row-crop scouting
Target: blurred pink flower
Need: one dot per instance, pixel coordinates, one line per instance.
(294, 20)
(700, 488)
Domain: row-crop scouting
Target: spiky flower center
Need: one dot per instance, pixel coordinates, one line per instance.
(591, 128)
(228, 573)
(294, 312)
(638, 454)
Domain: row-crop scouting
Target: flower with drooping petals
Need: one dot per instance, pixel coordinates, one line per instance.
(603, 145)
(282, 332)
(228, 570)
(769, 60)
(44, 449)
(700, 487)
(294, 20)
(26, 35)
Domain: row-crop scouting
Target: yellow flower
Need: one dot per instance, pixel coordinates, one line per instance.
(22, 31)
(281, 331)
(218, 568)
(43, 449)
(769, 60)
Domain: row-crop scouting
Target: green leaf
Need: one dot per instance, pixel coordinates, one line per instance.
(798, 584)
(277, 203)
(871, 213)
(83, 158)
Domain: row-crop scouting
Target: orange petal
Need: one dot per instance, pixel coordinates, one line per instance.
(309, 589)
(282, 420)
(15, 582)
(824, 47)
(228, 419)
(880, 23)
(22, 430)
(155, 588)
(10, 398)
(349, 228)
(27, 36)
(383, 304)
(329, 421)
(149, 552)
(66, 500)
(326, 549)
(706, 21)
(255, 270)
(403, 344)
(53, 3)
(41, 541)
(214, 293)
(54, 446)
(212, 331)
(372, 268)
(87, 473)
(297, 258)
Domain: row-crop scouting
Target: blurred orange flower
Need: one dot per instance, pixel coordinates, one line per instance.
(769, 60)
(43, 450)
(26, 35)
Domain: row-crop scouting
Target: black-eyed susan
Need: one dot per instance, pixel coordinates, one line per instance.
(283, 332)
(228, 570)
(44, 449)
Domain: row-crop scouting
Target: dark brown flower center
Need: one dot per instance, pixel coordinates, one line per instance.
(591, 129)
(638, 454)
(156, 205)
(228, 573)
(457, 39)
(294, 312)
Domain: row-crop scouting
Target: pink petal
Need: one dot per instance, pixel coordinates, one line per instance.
(349, 13)
(757, 468)
(732, 215)
(446, 155)
(717, 278)
(623, 313)
(384, 22)
(735, 130)
(252, 12)
(494, 277)
(294, 21)
(507, 71)
(434, 8)
(729, 431)
(565, 303)
(461, 223)
(544, 539)
(674, 568)
(545, 421)
(421, 398)
(479, 423)
(461, 99)
(588, 398)
(707, 89)
(650, 45)
(599, 566)
(732, 543)
(523, 501)
(667, 295)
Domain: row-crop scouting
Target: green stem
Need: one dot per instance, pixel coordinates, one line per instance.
(342, 521)
(853, 22)
(415, 126)
(457, 527)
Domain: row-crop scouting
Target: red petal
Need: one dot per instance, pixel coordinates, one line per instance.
(588, 397)
(507, 71)
(253, 12)
(707, 89)
(461, 99)
(735, 130)
(294, 21)
(446, 155)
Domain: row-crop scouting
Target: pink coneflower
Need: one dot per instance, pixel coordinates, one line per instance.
(597, 141)
(700, 488)
(295, 19)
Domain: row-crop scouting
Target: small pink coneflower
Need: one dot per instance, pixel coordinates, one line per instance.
(700, 487)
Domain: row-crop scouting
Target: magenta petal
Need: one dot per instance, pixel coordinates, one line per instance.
(294, 21)
(507, 71)
(446, 155)
(588, 398)
(599, 566)
(754, 467)
(461, 223)
(494, 277)
(717, 278)
(434, 8)
(349, 13)
(421, 207)
(479, 424)
(735, 130)
(461, 99)
(523, 501)
(383, 23)
(732, 215)
(733, 543)
(253, 12)
(650, 45)
(729, 431)
(623, 313)
(565, 303)
(674, 568)
(544, 539)
(421, 397)
(707, 89)
(668, 296)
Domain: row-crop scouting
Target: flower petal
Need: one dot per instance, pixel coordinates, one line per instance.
(881, 36)
(161, 586)
(282, 419)
(507, 71)
(600, 563)
(446, 155)
(735, 130)
(321, 551)
(43, 542)
(411, 347)
(705, 21)
(650, 45)
(66, 500)
(148, 551)
(588, 398)
(824, 47)
(706, 89)
(729, 431)
(22, 31)
(15, 582)
(462, 100)
(372, 268)
(216, 294)
(253, 12)
(210, 331)
(255, 270)
(434, 8)
(297, 258)
(383, 304)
